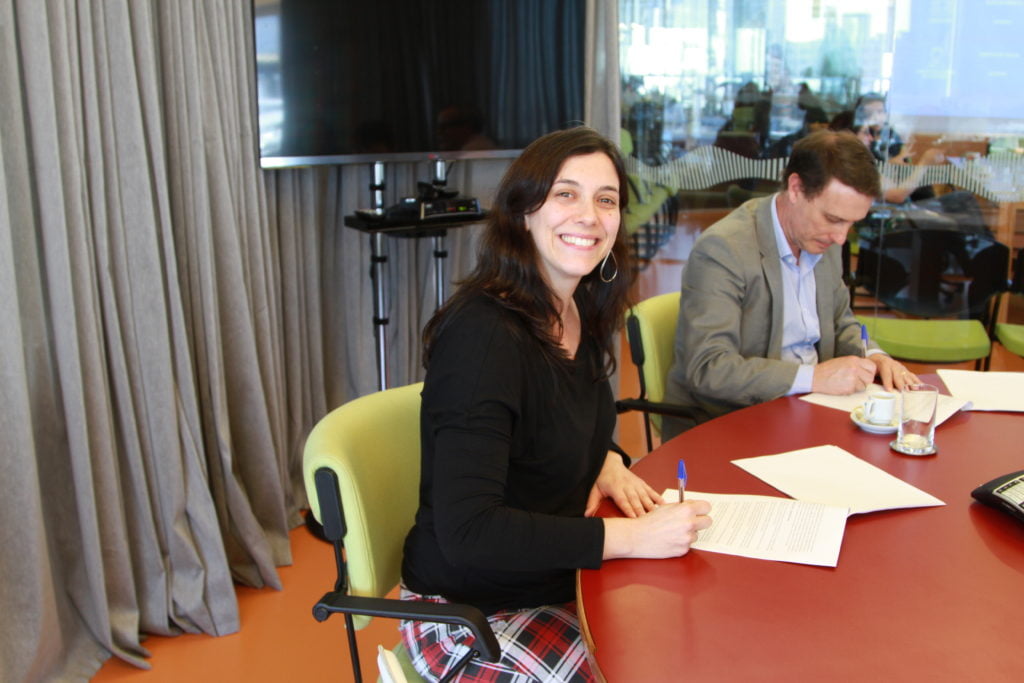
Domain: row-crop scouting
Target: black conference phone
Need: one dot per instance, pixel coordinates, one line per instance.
(1004, 493)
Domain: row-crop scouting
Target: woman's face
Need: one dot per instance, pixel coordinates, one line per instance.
(577, 224)
(873, 113)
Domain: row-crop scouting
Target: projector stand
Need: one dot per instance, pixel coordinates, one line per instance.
(378, 226)
(380, 319)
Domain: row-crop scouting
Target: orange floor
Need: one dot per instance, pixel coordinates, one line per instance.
(279, 640)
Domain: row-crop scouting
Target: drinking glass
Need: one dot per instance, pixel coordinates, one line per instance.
(916, 434)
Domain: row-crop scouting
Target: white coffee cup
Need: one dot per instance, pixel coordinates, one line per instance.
(880, 407)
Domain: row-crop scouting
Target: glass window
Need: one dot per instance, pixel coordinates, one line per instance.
(721, 89)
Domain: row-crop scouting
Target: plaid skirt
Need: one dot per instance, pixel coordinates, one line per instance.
(538, 645)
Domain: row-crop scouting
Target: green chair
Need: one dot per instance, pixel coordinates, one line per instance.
(946, 280)
(1011, 335)
(361, 467)
(646, 198)
(929, 341)
(650, 218)
(651, 332)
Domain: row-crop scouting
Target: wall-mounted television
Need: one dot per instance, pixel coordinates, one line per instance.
(343, 81)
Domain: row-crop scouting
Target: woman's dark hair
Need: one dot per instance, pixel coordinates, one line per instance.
(508, 265)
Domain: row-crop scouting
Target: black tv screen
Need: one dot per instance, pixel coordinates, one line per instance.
(358, 80)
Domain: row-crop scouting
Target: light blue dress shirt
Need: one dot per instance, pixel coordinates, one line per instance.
(800, 327)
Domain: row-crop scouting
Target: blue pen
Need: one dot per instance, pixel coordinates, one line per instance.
(681, 477)
(864, 340)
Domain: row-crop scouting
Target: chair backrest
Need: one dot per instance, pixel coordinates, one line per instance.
(656, 320)
(372, 445)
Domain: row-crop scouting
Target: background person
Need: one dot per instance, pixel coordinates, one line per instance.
(898, 192)
(517, 420)
(815, 118)
(870, 111)
(764, 311)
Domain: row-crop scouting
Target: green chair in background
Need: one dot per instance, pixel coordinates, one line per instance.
(651, 332)
(646, 198)
(929, 341)
(943, 283)
(650, 218)
(1011, 335)
(361, 467)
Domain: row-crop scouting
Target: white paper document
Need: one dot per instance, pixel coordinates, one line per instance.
(770, 528)
(947, 405)
(987, 390)
(832, 476)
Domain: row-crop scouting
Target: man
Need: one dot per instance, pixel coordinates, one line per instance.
(764, 311)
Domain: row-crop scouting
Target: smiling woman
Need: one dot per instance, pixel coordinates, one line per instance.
(576, 227)
(517, 420)
(544, 189)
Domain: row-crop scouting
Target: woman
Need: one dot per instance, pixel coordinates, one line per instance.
(517, 420)
(898, 192)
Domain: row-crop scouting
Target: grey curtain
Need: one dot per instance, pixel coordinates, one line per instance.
(147, 440)
(174, 321)
(602, 90)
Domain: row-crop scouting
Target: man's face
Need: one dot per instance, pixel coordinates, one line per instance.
(816, 223)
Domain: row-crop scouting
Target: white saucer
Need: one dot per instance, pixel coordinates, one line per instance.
(857, 415)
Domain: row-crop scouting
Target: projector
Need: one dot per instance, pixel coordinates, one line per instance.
(449, 208)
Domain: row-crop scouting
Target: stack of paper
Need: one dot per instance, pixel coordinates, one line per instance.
(768, 528)
(986, 390)
(828, 484)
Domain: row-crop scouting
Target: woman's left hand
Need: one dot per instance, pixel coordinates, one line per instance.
(631, 493)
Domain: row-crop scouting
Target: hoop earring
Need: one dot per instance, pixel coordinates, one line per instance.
(615, 264)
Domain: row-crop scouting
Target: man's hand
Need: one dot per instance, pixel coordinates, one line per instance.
(842, 376)
(893, 374)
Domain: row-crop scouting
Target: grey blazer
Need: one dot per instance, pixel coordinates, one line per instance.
(729, 335)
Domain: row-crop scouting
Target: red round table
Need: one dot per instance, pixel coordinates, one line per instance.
(925, 594)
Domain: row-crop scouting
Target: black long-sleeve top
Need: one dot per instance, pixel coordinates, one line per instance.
(511, 446)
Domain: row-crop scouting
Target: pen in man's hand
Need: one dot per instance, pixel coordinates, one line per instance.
(681, 478)
(864, 340)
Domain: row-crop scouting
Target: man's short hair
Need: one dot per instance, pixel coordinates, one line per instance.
(827, 155)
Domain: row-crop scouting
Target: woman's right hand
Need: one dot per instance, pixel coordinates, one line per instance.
(667, 531)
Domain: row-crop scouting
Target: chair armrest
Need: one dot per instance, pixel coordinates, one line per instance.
(645, 406)
(442, 613)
